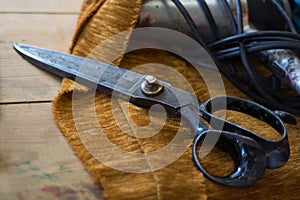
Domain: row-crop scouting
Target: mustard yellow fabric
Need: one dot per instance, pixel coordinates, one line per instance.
(102, 19)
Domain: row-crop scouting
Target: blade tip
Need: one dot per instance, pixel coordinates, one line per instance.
(16, 46)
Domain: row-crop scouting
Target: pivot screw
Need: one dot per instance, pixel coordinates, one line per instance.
(151, 86)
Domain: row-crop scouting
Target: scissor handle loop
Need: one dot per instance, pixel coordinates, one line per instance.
(247, 154)
(277, 152)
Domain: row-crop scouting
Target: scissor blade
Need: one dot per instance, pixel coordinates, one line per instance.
(86, 71)
(103, 77)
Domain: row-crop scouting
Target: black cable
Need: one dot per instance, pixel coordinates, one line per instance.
(260, 41)
(190, 22)
(233, 52)
(239, 14)
(254, 36)
(233, 25)
(285, 16)
(195, 31)
(251, 71)
(210, 18)
(229, 15)
(247, 45)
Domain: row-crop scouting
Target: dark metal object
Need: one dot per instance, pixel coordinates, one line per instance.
(286, 64)
(222, 27)
(162, 13)
(103, 77)
(251, 153)
(264, 16)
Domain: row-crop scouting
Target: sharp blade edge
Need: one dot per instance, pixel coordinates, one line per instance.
(93, 74)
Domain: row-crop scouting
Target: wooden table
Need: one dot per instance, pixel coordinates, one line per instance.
(36, 162)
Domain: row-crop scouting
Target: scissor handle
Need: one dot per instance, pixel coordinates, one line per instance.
(247, 154)
(247, 145)
(277, 151)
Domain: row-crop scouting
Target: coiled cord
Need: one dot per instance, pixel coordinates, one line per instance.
(241, 49)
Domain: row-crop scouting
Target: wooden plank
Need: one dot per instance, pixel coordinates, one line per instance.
(36, 161)
(20, 81)
(51, 31)
(46, 6)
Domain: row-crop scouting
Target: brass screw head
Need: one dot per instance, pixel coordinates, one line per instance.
(151, 86)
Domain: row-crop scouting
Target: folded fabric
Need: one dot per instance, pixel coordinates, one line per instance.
(85, 116)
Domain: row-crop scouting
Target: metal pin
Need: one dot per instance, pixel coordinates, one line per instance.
(151, 86)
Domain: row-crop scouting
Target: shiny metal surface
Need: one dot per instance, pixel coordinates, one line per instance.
(152, 86)
(251, 153)
(105, 78)
(164, 13)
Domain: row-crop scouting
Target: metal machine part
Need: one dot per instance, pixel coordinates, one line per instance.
(151, 86)
(213, 23)
(164, 13)
(288, 64)
(256, 14)
(262, 14)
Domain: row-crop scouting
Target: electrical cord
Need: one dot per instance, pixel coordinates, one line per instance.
(241, 49)
(210, 18)
(285, 16)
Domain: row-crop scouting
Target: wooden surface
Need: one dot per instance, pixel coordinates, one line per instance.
(36, 162)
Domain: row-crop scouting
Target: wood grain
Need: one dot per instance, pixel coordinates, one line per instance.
(36, 161)
(19, 80)
(41, 6)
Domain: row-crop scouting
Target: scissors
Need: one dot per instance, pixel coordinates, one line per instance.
(252, 154)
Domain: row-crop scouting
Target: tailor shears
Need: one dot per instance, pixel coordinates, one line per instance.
(251, 153)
